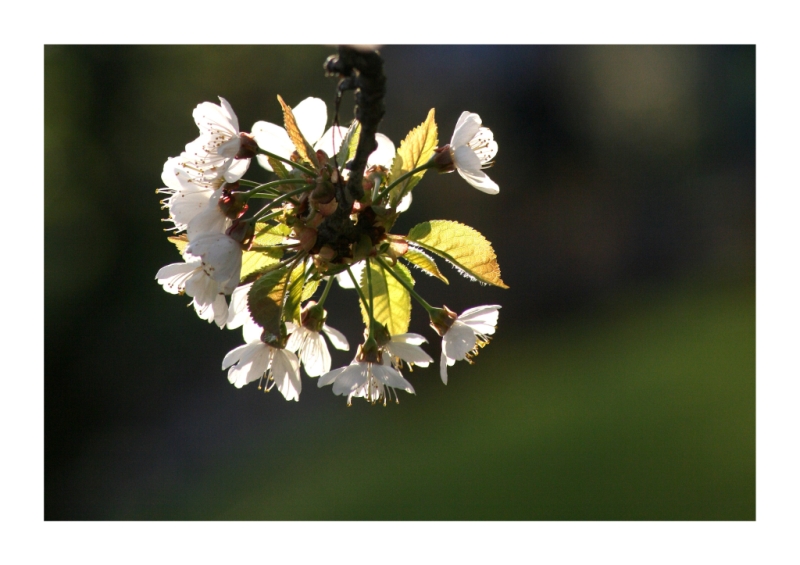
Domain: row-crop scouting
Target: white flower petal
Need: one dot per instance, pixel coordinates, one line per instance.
(237, 170)
(352, 378)
(285, 373)
(315, 356)
(252, 332)
(272, 138)
(384, 154)
(311, 116)
(459, 340)
(233, 356)
(480, 180)
(409, 353)
(443, 367)
(338, 339)
(238, 312)
(331, 376)
(344, 279)
(467, 126)
(331, 141)
(404, 204)
(482, 319)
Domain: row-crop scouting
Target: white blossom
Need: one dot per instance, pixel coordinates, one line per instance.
(191, 278)
(362, 379)
(188, 194)
(256, 360)
(238, 312)
(213, 154)
(312, 349)
(473, 147)
(221, 259)
(210, 220)
(406, 347)
(467, 333)
(311, 115)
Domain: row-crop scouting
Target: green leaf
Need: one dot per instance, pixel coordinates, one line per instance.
(309, 289)
(424, 262)
(463, 246)
(278, 168)
(302, 146)
(391, 301)
(265, 299)
(349, 144)
(415, 150)
(294, 293)
(256, 261)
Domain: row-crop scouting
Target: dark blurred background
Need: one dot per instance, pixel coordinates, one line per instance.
(620, 383)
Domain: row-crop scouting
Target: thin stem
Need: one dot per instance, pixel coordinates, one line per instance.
(403, 177)
(325, 292)
(269, 185)
(283, 198)
(267, 218)
(289, 161)
(408, 287)
(360, 294)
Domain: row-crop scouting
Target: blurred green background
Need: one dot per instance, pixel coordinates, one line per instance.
(620, 384)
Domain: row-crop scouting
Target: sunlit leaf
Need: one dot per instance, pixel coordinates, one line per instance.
(424, 262)
(415, 150)
(266, 297)
(278, 168)
(349, 144)
(391, 301)
(294, 293)
(309, 289)
(300, 144)
(461, 245)
(255, 261)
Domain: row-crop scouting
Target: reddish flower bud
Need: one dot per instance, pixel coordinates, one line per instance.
(248, 147)
(443, 157)
(233, 203)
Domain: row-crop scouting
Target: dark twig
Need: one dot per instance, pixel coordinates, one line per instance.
(361, 71)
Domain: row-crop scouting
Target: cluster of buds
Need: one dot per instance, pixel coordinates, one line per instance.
(272, 246)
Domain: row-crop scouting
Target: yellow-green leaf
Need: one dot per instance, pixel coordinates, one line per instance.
(349, 144)
(391, 301)
(461, 245)
(424, 262)
(300, 144)
(254, 261)
(294, 293)
(415, 150)
(309, 289)
(265, 300)
(278, 168)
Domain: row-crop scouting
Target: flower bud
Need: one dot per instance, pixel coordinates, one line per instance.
(327, 253)
(313, 316)
(442, 318)
(232, 202)
(248, 147)
(443, 158)
(369, 352)
(381, 334)
(306, 236)
(327, 209)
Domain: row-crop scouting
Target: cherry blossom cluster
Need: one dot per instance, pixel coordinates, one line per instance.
(263, 256)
